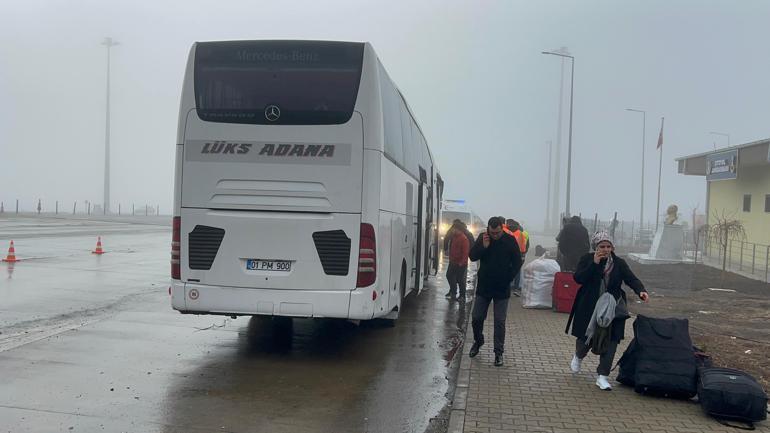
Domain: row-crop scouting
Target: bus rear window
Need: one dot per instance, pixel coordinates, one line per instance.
(277, 82)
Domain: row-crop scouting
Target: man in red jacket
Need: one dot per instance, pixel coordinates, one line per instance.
(456, 273)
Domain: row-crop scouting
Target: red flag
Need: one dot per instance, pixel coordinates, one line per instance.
(660, 137)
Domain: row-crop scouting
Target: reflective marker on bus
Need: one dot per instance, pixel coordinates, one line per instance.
(175, 268)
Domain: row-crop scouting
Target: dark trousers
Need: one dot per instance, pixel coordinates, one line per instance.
(569, 262)
(517, 278)
(456, 276)
(479, 314)
(605, 359)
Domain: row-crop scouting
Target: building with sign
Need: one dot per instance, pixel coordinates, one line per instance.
(737, 184)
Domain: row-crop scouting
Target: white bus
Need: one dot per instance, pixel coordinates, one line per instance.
(303, 188)
(457, 209)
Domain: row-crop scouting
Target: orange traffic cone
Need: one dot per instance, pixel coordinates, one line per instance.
(11, 254)
(98, 249)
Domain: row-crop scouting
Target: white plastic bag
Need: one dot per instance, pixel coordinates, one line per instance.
(537, 282)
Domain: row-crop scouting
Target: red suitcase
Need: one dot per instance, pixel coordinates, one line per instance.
(564, 291)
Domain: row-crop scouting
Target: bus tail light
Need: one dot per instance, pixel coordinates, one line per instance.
(175, 248)
(367, 257)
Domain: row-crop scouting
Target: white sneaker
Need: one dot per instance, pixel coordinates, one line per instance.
(603, 383)
(575, 364)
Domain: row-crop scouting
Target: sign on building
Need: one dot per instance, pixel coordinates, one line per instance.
(722, 166)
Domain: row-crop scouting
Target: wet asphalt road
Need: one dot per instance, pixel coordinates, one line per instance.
(90, 343)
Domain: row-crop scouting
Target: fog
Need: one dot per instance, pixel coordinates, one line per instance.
(472, 71)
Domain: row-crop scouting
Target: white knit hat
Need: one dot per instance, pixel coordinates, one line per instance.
(600, 237)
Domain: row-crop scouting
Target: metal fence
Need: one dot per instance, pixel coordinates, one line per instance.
(85, 207)
(744, 257)
(629, 235)
(740, 256)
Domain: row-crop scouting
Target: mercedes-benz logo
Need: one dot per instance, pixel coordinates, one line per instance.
(272, 113)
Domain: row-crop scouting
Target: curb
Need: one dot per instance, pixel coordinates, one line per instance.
(460, 399)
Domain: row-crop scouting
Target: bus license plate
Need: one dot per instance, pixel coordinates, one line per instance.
(268, 265)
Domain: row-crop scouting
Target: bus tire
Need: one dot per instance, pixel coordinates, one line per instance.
(390, 319)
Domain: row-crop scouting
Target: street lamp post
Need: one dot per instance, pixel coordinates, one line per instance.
(644, 127)
(569, 145)
(548, 222)
(109, 43)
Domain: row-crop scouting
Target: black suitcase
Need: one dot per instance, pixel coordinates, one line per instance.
(660, 360)
(627, 364)
(733, 395)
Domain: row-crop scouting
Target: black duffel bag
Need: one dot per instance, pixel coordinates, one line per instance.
(627, 364)
(728, 394)
(660, 360)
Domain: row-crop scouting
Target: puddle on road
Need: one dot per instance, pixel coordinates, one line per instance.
(324, 375)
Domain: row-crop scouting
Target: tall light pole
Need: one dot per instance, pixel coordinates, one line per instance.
(569, 145)
(109, 43)
(644, 127)
(548, 222)
(723, 134)
(555, 214)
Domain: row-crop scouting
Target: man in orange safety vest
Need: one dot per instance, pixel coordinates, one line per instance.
(522, 238)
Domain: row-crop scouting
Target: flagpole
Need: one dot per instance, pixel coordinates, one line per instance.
(660, 171)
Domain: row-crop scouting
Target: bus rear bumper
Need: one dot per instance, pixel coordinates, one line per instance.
(207, 299)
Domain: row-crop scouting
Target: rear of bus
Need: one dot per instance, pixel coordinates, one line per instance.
(269, 181)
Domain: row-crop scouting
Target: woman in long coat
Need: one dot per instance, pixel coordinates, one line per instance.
(597, 272)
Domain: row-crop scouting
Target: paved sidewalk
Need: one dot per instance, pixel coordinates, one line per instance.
(535, 391)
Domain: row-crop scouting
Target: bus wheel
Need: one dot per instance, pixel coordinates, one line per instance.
(389, 320)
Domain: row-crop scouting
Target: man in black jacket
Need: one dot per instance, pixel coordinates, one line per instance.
(500, 260)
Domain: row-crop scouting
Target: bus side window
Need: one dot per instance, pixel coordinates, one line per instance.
(394, 146)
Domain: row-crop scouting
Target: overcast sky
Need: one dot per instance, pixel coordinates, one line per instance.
(472, 71)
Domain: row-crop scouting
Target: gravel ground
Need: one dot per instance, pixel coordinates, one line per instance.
(731, 323)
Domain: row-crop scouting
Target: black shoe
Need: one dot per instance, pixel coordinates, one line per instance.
(498, 360)
(449, 295)
(474, 349)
